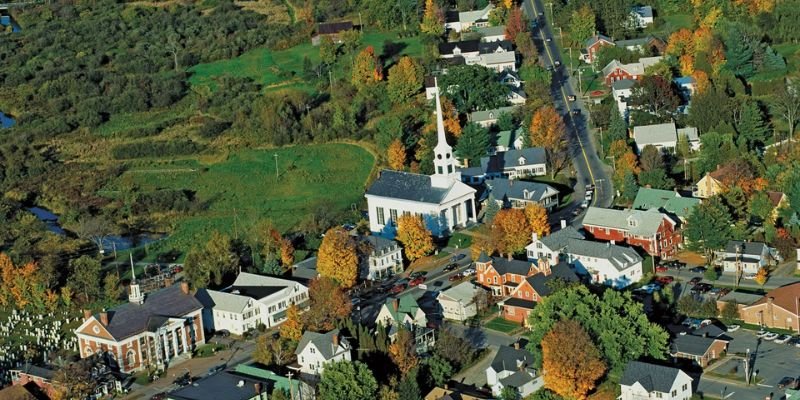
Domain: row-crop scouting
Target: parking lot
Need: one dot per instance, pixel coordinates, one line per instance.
(772, 362)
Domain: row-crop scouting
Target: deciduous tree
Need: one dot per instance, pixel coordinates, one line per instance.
(511, 230)
(415, 236)
(212, 261)
(84, 277)
(537, 219)
(347, 380)
(292, 328)
(432, 19)
(515, 24)
(367, 68)
(396, 155)
(272, 350)
(405, 79)
(656, 95)
(761, 276)
(547, 130)
(337, 257)
(328, 303)
(572, 373)
(328, 50)
(582, 24)
(473, 87)
(403, 353)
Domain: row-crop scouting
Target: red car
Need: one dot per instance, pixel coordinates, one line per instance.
(665, 280)
(661, 268)
(397, 289)
(454, 277)
(417, 281)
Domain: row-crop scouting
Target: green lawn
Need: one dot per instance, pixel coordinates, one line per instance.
(242, 189)
(459, 240)
(281, 69)
(673, 23)
(501, 325)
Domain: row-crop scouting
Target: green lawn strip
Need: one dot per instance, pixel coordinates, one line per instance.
(501, 325)
(280, 69)
(459, 240)
(243, 189)
(208, 350)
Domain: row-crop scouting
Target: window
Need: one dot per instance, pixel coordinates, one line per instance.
(674, 393)
(381, 217)
(312, 350)
(510, 310)
(130, 358)
(658, 395)
(685, 386)
(393, 215)
(495, 279)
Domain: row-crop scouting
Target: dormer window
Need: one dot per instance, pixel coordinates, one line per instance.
(456, 50)
(526, 194)
(521, 161)
(491, 115)
(631, 222)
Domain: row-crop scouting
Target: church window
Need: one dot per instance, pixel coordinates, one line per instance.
(439, 170)
(381, 217)
(439, 156)
(449, 169)
(448, 155)
(130, 358)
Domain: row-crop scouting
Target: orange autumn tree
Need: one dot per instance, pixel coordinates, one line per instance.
(21, 286)
(337, 257)
(396, 155)
(432, 19)
(292, 328)
(451, 123)
(415, 236)
(403, 353)
(547, 130)
(537, 219)
(702, 83)
(572, 373)
(511, 230)
(328, 304)
(515, 24)
(367, 68)
(761, 276)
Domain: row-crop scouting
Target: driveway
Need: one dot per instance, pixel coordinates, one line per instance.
(771, 363)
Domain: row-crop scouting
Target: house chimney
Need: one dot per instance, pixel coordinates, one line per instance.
(396, 303)
(516, 345)
(335, 339)
(563, 223)
(257, 386)
(87, 314)
(534, 236)
(705, 334)
(167, 282)
(185, 287)
(104, 318)
(446, 386)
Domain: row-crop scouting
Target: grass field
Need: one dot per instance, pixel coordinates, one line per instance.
(502, 325)
(673, 23)
(281, 69)
(242, 188)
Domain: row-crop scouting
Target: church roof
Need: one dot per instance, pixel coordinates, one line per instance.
(407, 186)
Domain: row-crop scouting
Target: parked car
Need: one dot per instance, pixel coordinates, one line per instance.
(415, 275)
(770, 336)
(451, 267)
(699, 269)
(454, 277)
(398, 288)
(222, 333)
(749, 276)
(661, 268)
(733, 328)
(571, 98)
(795, 341)
(355, 301)
(213, 370)
(469, 272)
(783, 339)
(457, 257)
(548, 39)
(557, 63)
(787, 383)
(695, 280)
(585, 204)
(665, 280)
(702, 288)
(760, 334)
(417, 281)
(675, 264)
(649, 288)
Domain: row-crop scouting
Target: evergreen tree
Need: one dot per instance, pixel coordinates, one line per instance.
(739, 53)
(751, 126)
(617, 130)
(736, 200)
(409, 388)
(492, 208)
(272, 267)
(629, 186)
(708, 227)
(472, 144)
(772, 61)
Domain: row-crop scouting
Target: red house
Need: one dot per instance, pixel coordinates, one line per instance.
(617, 71)
(593, 45)
(521, 284)
(651, 230)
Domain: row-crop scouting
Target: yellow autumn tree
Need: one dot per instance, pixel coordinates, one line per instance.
(337, 257)
(432, 19)
(415, 236)
(292, 328)
(403, 353)
(367, 68)
(511, 231)
(396, 155)
(702, 83)
(574, 373)
(761, 276)
(537, 219)
(451, 123)
(680, 42)
(287, 252)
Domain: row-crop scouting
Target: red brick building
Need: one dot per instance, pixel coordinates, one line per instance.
(617, 71)
(520, 284)
(593, 45)
(149, 330)
(656, 233)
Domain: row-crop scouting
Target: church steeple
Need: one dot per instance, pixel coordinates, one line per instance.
(135, 295)
(444, 163)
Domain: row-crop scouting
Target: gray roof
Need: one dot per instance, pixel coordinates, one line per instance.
(691, 344)
(492, 30)
(747, 248)
(506, 266)
(378, 244)
(509, 189)
(474, 15)
(623, 84)
(646, 223)
(560, 238)
(407, 186)
(498, 46)
(620, 257)
(222, 301)
(259, 286)
(322, 341)
(130, 319)
(33, 370)
(502, 159)
(305, 270)
(540, 282)
(497, 58)
(464, 46)
(652, 377)
(222, 385)
(518, 379)
(487, 115)
(596, 38)
(690, 132)
(482, 258)
(633, 42)
(741, 297)
(507, 358)
(465, 292)
(652, 134)
(644, 11)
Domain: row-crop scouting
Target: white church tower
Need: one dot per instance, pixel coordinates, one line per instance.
(135, 295)
(444, 162)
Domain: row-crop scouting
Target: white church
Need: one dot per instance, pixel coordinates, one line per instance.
(444, 202)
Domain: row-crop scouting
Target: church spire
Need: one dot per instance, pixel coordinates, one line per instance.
(135, 295)
(444, 163)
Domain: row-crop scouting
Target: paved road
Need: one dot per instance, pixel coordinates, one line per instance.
(588, 167)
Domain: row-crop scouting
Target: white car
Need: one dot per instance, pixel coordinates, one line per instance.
(469, 271)
(770, 336)
(548, 40)
(733, 328)
(783, 339)
(749, 276)
(761, 333)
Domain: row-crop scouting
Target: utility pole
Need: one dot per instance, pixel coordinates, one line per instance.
(330, 76)
(571, 69)
(276, 166)
(291, 391)
(551, 10)
(580, 74)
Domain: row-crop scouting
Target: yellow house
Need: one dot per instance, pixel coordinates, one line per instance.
(708, 186)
